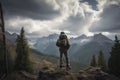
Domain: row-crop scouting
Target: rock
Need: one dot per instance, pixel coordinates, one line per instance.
(21, 75)
(61, 74)
(56, 75)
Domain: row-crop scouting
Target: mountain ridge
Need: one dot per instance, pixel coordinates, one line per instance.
(79, 46)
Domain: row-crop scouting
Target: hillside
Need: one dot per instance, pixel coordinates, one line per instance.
(42, 60)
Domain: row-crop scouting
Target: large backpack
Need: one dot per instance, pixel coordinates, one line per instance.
(62, 41)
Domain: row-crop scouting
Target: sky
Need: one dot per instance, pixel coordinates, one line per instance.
(74, 17)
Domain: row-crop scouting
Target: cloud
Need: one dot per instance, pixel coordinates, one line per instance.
(110, 19)
(18, 16)
(40, 9)
(75, 17)
(93, 3)
(79, 23)
(35, 9)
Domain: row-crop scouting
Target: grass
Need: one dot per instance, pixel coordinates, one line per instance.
(76, 67)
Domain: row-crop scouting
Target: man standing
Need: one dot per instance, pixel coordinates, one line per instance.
(63, 45)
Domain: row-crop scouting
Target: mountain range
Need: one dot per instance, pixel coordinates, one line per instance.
(11, 38)
(82, 47)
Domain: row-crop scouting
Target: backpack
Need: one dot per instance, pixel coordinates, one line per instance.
(61, 43)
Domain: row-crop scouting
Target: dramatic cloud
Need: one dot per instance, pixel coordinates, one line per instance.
(35, 9)
(110, 19)
(18, 15)
(75, 17)
(93, 3)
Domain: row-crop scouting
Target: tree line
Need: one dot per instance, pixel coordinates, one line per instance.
(113, 64)
(21, 59)
(100, 62)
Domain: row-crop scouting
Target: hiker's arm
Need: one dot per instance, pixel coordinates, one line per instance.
(68, 42)
(58, 43)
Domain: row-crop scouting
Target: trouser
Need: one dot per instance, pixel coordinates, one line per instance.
(65, 52)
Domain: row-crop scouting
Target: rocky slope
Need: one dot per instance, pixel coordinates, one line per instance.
(62, 74)
(89, 74)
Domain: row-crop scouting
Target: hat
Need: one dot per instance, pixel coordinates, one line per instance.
(62, 33)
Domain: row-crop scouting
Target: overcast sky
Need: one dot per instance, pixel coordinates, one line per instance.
(75, 17)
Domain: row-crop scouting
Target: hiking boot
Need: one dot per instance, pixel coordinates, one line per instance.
(68, 68)
(61, 66)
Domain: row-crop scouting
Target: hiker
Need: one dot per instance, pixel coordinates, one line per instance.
(63, 45)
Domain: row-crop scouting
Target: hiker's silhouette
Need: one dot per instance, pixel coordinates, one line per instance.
(63, 45)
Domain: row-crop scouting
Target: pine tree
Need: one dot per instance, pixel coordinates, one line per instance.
(93, 61)
(3, 53)
(2, 61)
(22, 49)
(101, 61)
(10, 58)
(114, 60)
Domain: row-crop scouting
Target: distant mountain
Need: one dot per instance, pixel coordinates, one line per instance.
(98, 42)
(81, 50)
(47, 44)
(11, 38)
(82, 47)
